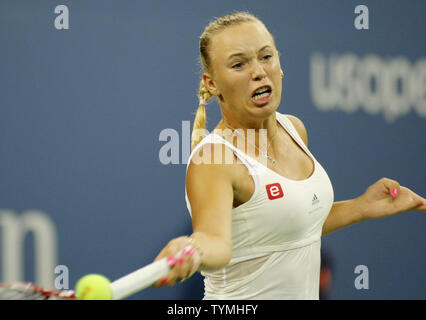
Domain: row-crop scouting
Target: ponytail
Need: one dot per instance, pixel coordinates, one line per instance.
(199, 128)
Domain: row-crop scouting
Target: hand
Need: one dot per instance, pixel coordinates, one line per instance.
(183, 266)
(386, 197)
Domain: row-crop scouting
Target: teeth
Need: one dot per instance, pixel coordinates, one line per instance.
(261, 89)
(260, 96)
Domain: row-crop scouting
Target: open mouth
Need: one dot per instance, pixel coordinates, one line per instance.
(262, 92)
(261, 95)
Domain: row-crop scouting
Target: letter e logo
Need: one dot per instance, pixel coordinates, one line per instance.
(274, 191)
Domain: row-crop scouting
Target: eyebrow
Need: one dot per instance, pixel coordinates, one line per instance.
(242, 54)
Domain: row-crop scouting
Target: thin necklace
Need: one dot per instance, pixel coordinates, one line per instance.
(266, 155)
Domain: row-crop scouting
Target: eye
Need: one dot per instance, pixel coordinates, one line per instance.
(267, 57)
(237, 65)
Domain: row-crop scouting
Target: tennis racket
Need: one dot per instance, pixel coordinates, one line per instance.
(30, 291)
(121, 288)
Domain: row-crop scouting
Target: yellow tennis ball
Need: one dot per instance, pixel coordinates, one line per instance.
(93, 287)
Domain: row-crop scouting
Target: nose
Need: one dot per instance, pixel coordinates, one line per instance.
(258, 73)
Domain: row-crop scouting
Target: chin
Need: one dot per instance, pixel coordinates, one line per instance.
(264, 111)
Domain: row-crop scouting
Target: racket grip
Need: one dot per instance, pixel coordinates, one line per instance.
(139, 279)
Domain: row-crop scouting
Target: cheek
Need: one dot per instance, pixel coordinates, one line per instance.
(278, 90)
(275, 74)
(233, 85)
(275, 68)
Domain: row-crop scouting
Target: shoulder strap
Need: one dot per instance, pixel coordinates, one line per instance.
(215, 138)
(286, 122)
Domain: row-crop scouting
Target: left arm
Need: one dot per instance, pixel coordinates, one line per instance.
(342, 214)
(384, 198)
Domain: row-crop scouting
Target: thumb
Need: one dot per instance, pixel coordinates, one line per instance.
(421, 206)
(420, 201)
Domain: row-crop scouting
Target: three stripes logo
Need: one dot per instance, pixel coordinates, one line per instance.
(315, 199)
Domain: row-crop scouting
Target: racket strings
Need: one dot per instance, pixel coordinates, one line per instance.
(29, 291)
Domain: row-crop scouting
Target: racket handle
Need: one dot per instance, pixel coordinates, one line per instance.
(139, 279)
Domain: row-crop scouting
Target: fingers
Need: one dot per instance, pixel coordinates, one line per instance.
(418, 202)
(171, 261)
(183, 265)
(392, 186)
(422, 207)
(183, 257)
(182, 268)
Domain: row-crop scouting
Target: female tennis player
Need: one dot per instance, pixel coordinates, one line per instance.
(258, 224)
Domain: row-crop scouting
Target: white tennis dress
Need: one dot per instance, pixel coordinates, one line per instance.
(276, 235)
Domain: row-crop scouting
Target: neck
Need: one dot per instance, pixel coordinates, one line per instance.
(260, 139)
(269, 124)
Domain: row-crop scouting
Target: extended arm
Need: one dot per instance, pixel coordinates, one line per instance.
(210, 192)
(384, 198)
(342, 214)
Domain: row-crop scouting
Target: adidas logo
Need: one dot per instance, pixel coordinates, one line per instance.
(315, 200)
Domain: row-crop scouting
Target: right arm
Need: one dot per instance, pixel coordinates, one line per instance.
(210, 192)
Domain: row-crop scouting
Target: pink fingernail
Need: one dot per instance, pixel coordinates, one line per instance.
(163, 281)
(180, 260)
(394, 192)
(171, 261)
(189, 251)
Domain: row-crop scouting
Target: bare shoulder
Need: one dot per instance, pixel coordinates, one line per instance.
(300, 127)
(209, 173)
(215, 157)
(212, 159)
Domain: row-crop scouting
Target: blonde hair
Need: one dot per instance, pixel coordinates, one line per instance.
(236, 18)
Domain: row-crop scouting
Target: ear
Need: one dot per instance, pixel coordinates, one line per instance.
(210, 84)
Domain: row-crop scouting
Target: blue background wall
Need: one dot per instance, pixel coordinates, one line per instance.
(81, 111)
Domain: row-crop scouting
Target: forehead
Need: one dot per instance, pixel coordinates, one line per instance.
(245, 38)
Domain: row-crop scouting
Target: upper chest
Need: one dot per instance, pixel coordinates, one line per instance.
(291, 162)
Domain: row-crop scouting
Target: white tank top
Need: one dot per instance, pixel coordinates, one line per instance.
(276, 234)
